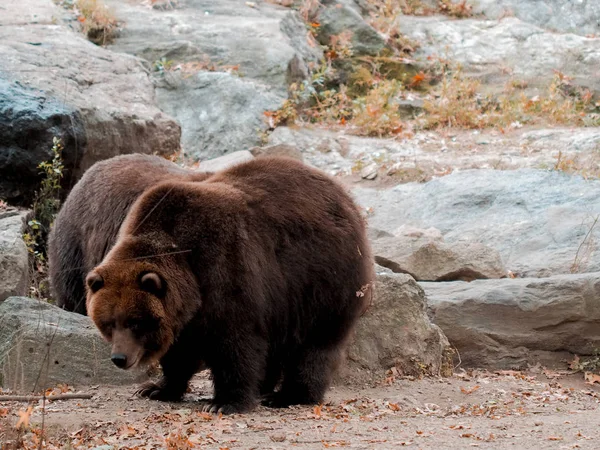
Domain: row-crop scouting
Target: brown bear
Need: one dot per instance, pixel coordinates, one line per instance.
(88, 223)
(260, 272)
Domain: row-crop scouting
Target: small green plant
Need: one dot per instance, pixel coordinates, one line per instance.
(45, 207)
(162, 65)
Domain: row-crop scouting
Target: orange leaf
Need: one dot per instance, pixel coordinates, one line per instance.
(394, 406)
(591, 378)
(24, 417)
(417, 79)
(469, 391)
(317, 410)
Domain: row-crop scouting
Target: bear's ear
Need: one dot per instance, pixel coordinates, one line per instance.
(94, 282)
(152, 283)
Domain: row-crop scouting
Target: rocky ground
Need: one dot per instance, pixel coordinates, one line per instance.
(507, 409)
(486, 237)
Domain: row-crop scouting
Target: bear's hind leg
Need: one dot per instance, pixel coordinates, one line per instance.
(306, 378)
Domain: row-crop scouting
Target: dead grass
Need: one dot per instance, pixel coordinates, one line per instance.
(364, 93)
(458, 103)
(377, 113)
(460, 10)
(98, 22)
(367, 106)
(392, 8)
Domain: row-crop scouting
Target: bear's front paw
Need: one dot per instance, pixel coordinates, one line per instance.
(159, 391)
(210, 406)
(283, 400)
(276, 400)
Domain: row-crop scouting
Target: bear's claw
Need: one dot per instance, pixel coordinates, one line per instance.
(209, 406)
(158, 391)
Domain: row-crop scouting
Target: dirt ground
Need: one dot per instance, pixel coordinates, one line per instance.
(539, 409)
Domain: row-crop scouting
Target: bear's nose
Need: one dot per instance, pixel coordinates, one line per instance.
(119, 359)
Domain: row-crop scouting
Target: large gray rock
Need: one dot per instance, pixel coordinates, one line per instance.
(570, 141)
(42, 345)
(426, 257)
(29, 119)
(579, 17)
(428, 153)
(53, 82)
(396, 332)
(14, 257)
(513, 323)
(496, 51)
(226, 161)
(339, 17)
(538, 220)
(219, 112)
(285, 150)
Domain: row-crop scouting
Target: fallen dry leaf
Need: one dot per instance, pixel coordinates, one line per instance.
(24, 417)
(394, 406)
(591, 378)
(317, 410)
(335, 444)
(469, 391)
(555, 438)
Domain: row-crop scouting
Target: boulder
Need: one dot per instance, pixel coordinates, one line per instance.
(428, 154)
(320, 148)
(218, 65)
(541, 222)
(226, 161)
(336, 18)
(396, 332)
(29, 119)
(56, 83)
(495, 51)
(514, 323)
(286, 150)
(220, 112)
(42, 345)
(580, 17)
(14, 257)
(426, 257)
(567, 140)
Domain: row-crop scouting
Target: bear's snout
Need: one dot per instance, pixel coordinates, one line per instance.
(119, 359)
(126, 350)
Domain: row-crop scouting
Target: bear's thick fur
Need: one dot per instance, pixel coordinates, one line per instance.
(89, 221)
(260, 272)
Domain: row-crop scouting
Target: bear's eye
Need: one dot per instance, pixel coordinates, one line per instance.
(141, 325)
(106, 328)
(94, 282)
(152, 283)
(133, 324)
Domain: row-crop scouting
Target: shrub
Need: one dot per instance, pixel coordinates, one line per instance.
(45, 208)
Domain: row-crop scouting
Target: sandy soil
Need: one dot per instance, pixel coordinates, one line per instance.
(540, 409)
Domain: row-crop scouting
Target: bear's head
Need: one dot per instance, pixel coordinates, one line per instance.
(140, 298)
